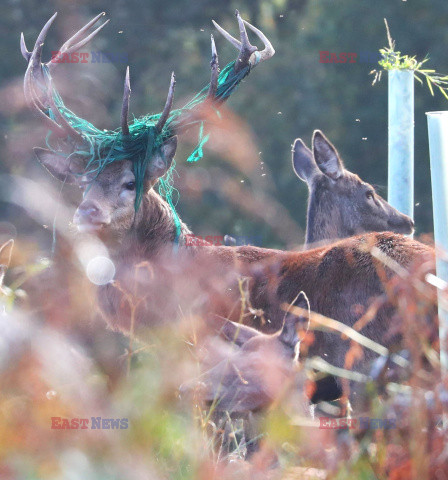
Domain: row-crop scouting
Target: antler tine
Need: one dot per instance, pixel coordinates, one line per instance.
(80, 44)
(268, 50)
(88, 38)
(68, 46)
(249, 54)
(74, 38)
(168, 104)
(246, 49)
(25, 53)
(214, 64)
(33, 62)
(125, 107)
(38, 87)
(236, 43)
(36, 55)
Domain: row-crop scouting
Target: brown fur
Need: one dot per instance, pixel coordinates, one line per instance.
(335, 278)
(156, 280)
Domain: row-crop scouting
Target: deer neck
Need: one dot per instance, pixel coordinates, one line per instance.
(324, 222)
(154, 228)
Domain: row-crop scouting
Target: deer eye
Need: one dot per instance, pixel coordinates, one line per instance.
(129, 186)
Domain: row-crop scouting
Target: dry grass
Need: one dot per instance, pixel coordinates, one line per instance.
(55, 361)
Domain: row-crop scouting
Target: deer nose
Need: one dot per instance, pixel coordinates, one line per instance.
(88, 212)
(409, 222)
(402, 224)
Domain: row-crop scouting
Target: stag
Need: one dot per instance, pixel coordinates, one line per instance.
(340, 204)
(152, 237)
(110, 187)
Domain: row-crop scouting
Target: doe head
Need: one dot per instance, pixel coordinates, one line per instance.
(341, 204)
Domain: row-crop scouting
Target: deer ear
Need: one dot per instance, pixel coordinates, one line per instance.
(238, 333)
(5, 258)
(303, 162)
(326, 156)
(162, 160)
(63, 168)
(294, 323)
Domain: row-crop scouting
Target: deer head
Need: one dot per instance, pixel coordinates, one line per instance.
(108, 204)
(340, 203)
(116, 168)
(252, 376)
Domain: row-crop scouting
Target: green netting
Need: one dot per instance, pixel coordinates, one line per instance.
(102, 147)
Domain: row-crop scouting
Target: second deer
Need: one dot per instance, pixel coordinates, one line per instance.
(340, 203)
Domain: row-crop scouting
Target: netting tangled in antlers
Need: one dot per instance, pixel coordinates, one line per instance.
(141, 140)
(100, 148)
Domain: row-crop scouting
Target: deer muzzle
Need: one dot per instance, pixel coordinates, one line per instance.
(402, 224)
(89, 217)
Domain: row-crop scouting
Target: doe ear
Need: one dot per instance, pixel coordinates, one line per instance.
(238, 333)
(63, 168)
(326, 156)
(163, 159)
(303, 162)
(293, 323)
(5, 258)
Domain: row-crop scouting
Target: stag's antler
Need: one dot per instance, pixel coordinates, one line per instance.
(249, 54)
(42, 98)
(125, 107)
(37, 83)
(168, 104)
(166, 109)
(214, 66)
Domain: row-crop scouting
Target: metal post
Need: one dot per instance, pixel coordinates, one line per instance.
(401, 141)
(438, 149)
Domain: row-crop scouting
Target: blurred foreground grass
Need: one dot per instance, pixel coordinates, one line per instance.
(57, 359)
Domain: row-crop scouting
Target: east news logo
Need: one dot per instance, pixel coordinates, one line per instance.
(94, 423)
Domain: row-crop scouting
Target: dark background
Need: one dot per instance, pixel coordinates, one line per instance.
(287, 97)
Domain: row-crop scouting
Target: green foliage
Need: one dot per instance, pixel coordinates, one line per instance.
(394, 60)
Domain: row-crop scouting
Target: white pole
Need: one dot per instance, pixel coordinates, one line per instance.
(438, 149)
(400, 192)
